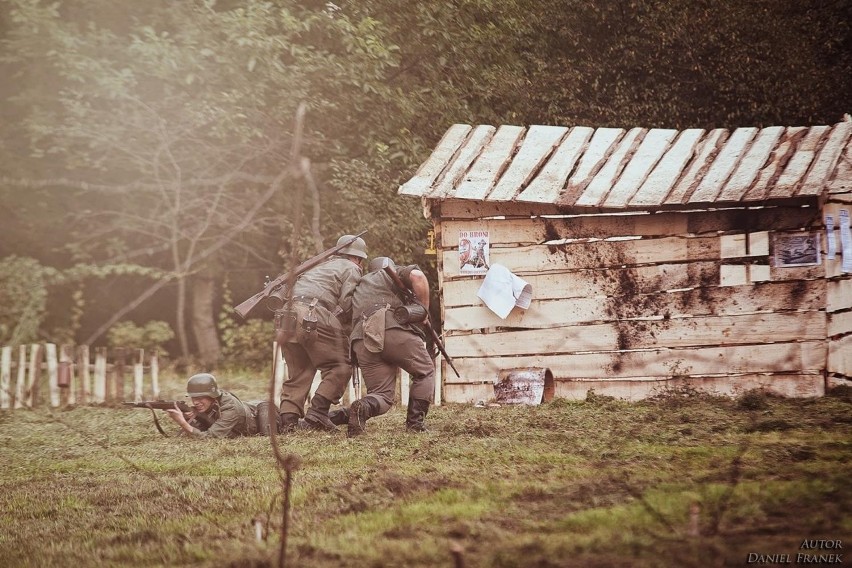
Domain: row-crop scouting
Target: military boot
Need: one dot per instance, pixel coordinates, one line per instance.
(359, 412)
(316, 418)
(288, 422)
(339, 416)
(416, 415)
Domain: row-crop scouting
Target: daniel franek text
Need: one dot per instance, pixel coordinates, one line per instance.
(811, 551)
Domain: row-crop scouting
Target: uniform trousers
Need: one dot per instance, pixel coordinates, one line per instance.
(405, 350)
(328, 352)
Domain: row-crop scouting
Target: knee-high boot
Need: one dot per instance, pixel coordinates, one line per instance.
(416, 415)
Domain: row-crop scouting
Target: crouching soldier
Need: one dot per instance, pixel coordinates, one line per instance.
(219, 414)
(383, 344)
(320, 315)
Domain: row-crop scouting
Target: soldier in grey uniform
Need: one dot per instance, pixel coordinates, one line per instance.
(321, 307)
(218, 413)
(383, 345)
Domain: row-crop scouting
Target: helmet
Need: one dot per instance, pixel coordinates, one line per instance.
(379, 263)
(202, 384)
(356, 248)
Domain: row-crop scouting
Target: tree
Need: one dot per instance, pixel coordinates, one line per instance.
(172, 125)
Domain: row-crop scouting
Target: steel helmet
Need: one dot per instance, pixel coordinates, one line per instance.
(356, 248)
(202, 384)
(379, 263)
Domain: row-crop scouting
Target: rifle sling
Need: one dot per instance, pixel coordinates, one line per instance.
(157, 422)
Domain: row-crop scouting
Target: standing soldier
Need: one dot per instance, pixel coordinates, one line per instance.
(217, 413)
(320, 315)
(384, 344)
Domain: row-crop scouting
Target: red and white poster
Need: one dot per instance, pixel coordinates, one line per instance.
(474, 252)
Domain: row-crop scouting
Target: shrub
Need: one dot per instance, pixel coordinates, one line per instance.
(152, 335)
(249, 345)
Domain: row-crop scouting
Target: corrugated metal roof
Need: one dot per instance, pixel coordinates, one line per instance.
(616, 168)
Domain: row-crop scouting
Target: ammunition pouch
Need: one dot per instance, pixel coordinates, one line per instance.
(285, 326)
(308, 327)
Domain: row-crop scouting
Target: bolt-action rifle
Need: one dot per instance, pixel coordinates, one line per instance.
(275, 292)
(411, 298)
(204, 421)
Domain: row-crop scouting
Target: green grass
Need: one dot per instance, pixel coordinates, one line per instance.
(594, 483)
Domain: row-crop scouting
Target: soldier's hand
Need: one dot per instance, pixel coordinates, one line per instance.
(176, 414)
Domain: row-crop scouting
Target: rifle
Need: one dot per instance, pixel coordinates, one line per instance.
(276, 291)
(203, 420)
(411, 297)
(161, 405)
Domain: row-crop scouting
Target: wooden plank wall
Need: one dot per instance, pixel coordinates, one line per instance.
(627, 304)
(839, 301)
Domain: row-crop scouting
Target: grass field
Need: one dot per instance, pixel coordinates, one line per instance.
(682, 480)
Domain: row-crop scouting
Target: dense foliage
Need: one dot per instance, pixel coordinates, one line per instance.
(161, 134)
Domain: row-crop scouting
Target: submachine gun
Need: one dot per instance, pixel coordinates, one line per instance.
(275, 292)
(411, 298)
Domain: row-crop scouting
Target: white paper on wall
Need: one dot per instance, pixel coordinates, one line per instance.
(830, 241)
(845, 241)
(502, 291)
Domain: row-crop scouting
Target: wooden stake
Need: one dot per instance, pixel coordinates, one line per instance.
(315, 385)
(33, 376)
(118, 377)
(155, 374)
(138, 376)
(67, 382)
(100, 375)
(438, 375)
(52, 374)
(22, 373)
(280, 371)
(404, 384)
(5, 377)
(85, 378)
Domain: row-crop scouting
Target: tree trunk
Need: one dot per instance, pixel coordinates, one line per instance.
(204, 320)
(181, 317)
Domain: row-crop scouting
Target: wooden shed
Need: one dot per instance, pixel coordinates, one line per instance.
(720, 259)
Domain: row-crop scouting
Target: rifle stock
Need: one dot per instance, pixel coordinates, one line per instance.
(411, 297)
(270, 289)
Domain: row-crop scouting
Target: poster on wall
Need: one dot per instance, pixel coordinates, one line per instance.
(474, 252)
(799, 249)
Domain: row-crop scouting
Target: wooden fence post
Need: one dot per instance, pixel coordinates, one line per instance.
(438, 375)
(314, 386)
(118, 375)
(66, 381)
(138, 376)
(155, 374)
(5, 377)
(85, 382)
(280, 371)
(100, 375)
(33, 376)
(404, 384)
(22, 375)
(52, 373)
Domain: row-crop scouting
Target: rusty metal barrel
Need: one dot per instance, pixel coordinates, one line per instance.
(525, 385)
